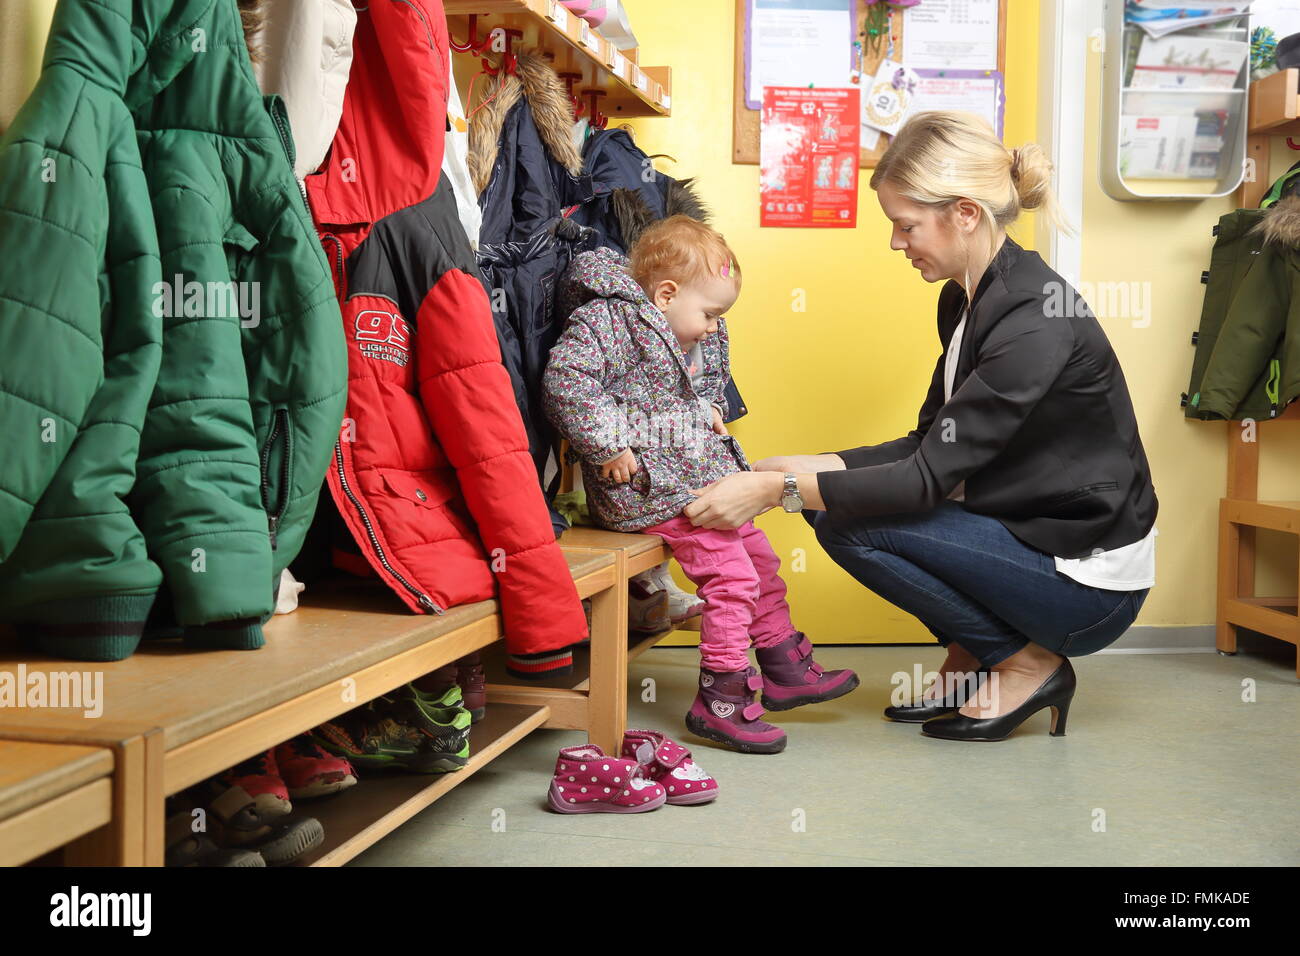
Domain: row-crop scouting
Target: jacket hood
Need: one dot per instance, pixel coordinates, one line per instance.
(634, 213)
(387, 153)
(1281, 223)
(552, 110)
(133, 47)
(603, 272)
(303, 52)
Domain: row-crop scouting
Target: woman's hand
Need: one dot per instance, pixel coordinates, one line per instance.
(801, 464)
(719, 426)
(621, 469)
(735, 500)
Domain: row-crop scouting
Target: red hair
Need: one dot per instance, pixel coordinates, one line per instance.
(682, 249)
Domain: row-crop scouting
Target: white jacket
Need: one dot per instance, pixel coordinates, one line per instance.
(305, 56)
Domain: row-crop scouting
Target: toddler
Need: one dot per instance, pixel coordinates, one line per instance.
(636, 384)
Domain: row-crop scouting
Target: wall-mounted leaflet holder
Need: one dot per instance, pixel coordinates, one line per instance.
(1173, 122)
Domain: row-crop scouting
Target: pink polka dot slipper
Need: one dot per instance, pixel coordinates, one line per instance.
(669, 764)
(588, 781)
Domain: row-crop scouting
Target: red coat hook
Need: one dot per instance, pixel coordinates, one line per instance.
(598, 119)
(473, 44)
(1291, 144)
(509, 59)
(569, 79)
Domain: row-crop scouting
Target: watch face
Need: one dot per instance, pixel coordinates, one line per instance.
(791, 503)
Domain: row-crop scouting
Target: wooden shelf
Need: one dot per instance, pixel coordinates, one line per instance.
(1240, 514)
(1274, 515)
(51, 794)
(1275, 104)
(381, 802)
(1273, 109)
(548, 28)
(174, 716)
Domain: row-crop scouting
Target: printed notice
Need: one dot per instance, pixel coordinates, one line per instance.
(809, 157)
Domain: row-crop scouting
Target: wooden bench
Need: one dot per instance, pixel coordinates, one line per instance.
(51, 795)
(634, 552)
(173, 717)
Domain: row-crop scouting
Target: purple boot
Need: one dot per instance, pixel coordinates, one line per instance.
(725, 711)
(791, 678)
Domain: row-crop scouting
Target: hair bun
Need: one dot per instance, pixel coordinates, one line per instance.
(1031, 173)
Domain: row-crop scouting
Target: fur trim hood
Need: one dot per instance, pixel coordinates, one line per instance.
(634, 214)
(536, 81)
(1281, 223)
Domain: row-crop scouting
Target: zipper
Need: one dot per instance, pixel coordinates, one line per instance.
(337, 264)
(423, 598)
(280, 118)
(279, 422)
(1272, 386)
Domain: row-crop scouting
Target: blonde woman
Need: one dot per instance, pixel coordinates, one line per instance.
(1017, 520)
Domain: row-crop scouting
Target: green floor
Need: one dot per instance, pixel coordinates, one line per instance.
(1164, 764)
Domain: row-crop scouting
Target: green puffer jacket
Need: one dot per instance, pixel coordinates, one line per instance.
(1247, 362)
(172, 367)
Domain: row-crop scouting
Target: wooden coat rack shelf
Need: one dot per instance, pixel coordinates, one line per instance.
(627, 89)
(1272, 110)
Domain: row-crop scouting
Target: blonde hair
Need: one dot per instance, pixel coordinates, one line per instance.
(682, 249)
(941, 156)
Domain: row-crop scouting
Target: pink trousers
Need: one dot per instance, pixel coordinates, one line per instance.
(736, 576)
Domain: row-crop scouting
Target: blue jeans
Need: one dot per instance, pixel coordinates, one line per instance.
(973, 583)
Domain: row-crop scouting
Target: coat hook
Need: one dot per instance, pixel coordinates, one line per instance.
(473, 44)
(598, 119)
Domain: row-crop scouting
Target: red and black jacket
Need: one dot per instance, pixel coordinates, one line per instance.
(431, 471)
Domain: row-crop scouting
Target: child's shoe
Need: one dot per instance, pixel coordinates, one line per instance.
(587, 781)
(444, 747)
(252, 792)
(473, 684)
(309, 771)
(682, 605)
(464, 676)
(725, 711)
(647, 608)
(373, 741)
(669, 764)
(791, 678)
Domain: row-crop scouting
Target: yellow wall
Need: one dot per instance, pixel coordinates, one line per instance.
(23, 28)
(853, 369)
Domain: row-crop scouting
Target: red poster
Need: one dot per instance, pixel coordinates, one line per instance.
(809, 149)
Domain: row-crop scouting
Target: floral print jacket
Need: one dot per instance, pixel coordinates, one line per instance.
(618, 379)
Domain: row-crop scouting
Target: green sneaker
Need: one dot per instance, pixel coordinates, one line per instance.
(451, 697)
(445, 728)
(375, 741)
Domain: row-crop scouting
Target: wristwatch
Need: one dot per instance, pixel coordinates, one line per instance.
(790, 498)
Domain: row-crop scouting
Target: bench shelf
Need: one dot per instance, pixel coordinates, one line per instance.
(173, 717)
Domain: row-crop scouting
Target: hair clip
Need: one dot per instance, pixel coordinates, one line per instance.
(726, 269)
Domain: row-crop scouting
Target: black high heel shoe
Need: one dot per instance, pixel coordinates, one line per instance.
(920, 713)
(1056, 692)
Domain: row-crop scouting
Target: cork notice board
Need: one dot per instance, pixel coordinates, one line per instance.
(745, 122)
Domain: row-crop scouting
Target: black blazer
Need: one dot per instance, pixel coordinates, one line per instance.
(1040, 425)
